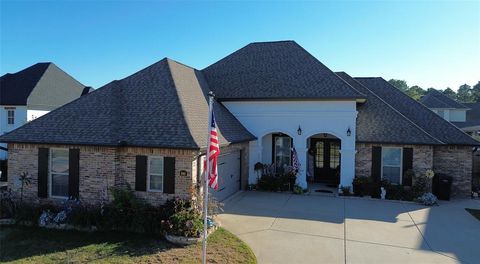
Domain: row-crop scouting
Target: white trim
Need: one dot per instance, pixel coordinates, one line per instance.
(155, 174)
(401, 163)
(50, 173)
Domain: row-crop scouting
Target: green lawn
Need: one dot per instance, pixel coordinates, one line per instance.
(474, 212)
(34, 245)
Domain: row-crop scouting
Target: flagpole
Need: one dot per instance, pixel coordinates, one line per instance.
(205, 186)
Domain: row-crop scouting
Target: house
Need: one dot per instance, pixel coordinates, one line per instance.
(471, 125)
(148, 130)
(444, 106)
(466, 116)
(33, 92)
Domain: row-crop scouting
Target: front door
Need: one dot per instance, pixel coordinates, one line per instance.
(326, 159)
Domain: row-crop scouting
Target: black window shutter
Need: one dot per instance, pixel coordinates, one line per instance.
(376, 163)
(141, 173)
(73, 172)
(169, 175)
(42, 183)
(407, 165)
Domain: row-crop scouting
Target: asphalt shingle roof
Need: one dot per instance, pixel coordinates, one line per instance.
(275, 70)
(163, 105)
(440, 129)
(379, 122)
(436, 99)
(42, 86)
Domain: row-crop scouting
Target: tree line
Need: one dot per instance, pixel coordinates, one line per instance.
(464, 94)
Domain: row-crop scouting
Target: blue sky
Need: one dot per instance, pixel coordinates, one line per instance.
(431, 44)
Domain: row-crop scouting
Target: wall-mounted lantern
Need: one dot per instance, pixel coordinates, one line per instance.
(299, 130)
(349, 132)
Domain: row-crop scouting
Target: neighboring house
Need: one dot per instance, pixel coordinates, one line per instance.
(444, 106)
(33, 92)
(472, 124)
(466, 116)
(149, 130)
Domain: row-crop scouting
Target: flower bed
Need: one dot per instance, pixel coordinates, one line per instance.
(176, 217)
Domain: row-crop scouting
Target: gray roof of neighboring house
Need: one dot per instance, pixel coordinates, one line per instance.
(379, 122)
(163, 105)
(436, 99)
(440, 129)
(42, 86)
(275, 70)
(473, 114)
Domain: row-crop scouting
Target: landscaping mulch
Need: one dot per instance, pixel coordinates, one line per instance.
(36, 245)
(474, 212)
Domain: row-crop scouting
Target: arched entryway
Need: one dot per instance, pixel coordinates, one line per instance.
(323, 161)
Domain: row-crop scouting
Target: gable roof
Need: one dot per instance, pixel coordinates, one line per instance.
(275, 71)
(436, 99)
(431, 123)
(43, 86)
(163, 105)
(379, 122)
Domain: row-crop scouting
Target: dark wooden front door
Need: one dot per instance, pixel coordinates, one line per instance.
(326, 160)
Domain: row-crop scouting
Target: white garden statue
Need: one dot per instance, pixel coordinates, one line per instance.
(383, 193)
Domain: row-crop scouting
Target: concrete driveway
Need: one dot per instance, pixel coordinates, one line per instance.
(285, 228)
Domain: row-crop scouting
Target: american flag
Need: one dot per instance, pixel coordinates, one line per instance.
(212, 154)
(295, 161)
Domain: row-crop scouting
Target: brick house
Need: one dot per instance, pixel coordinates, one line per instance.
(148, 130)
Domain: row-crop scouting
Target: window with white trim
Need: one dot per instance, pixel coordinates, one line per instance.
(392, 164)
(155, 174)
(58, 173)
(11, 116)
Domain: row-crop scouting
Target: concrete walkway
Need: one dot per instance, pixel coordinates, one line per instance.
(285, 228)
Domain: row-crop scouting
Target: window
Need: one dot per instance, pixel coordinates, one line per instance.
(58, 172)
(282, 152)
(334, 155)
(10, 116)
(155, 174)
(319, 159)
(392, 164)
(441, 113)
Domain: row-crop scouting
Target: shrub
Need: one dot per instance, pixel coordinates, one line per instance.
(187, 222)
(297, 189)
(7, 206)
(345, 190)
(361, 185)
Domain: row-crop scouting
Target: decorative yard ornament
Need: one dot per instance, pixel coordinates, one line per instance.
(383, 193)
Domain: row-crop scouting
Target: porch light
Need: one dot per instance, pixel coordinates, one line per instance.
(349, 132)
(299, 130)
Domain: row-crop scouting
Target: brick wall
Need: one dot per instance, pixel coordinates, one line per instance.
(101, 169)
(455, 161)
(422, 158)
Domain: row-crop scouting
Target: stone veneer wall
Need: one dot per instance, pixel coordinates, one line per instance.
(101, 169)
(455, 161)
(422, 158)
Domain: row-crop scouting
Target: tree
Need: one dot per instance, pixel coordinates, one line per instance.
(416, 92)
(464, 94)
(450, 93)
(400, 84)
(476, 92)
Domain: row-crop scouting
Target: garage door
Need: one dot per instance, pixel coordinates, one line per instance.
(228, 175)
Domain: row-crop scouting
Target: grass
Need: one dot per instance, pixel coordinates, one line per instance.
(35, 245)
(474, 212)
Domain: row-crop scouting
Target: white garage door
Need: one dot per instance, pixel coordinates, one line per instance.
(229, 175)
